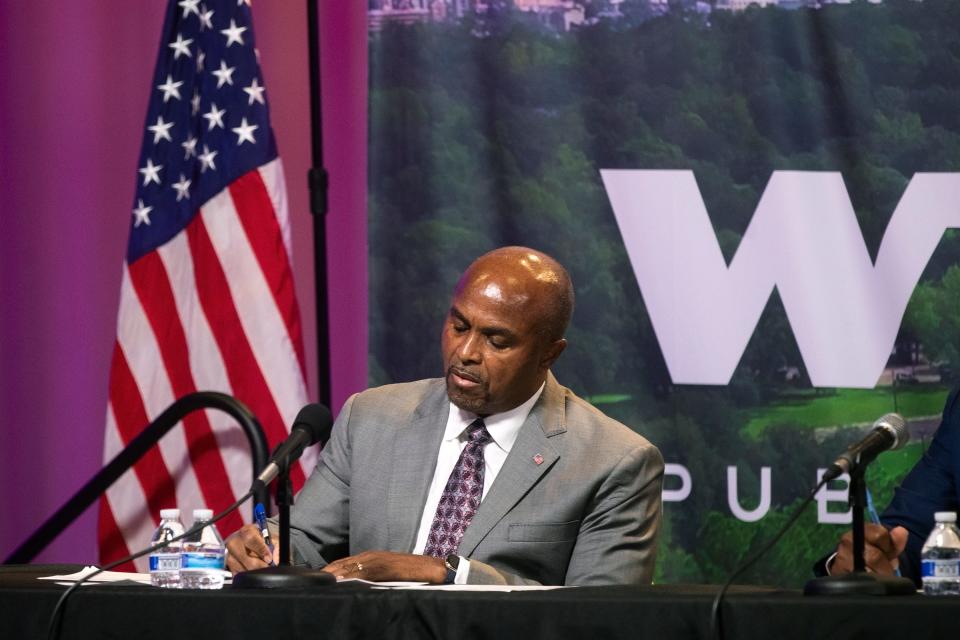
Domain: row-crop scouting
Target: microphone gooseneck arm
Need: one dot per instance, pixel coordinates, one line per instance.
(889, 432)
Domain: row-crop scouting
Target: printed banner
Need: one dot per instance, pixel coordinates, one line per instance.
(757, 203)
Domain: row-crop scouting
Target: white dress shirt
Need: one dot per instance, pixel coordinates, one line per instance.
(503, 429)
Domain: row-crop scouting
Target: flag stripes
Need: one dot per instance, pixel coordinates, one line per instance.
(129, 416)
(152, 286)
(217, 301)
(142, 353)
(263, 232)
(182, 292)
(251, 293)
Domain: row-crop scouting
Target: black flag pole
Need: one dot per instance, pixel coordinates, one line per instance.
(318, 184)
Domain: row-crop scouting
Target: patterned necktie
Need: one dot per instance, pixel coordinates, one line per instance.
(461, 496)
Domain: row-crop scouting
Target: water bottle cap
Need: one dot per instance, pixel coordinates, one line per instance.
(169, 514)
(202, 514)
(945, 516)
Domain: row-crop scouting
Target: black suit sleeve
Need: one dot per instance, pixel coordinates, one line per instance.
(930, 486)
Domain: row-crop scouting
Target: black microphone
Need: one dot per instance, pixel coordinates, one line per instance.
(889, 432)
(312, 425)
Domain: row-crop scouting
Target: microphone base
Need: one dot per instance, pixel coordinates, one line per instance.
(863, 584)
(285, 577)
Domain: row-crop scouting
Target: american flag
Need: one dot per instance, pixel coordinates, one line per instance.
(207, 299)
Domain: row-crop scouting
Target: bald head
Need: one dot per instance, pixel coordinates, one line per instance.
(505, 329)
(528, 279)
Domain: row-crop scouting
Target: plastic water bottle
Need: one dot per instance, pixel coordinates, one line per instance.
(941, 557)
(165, 562)
(202, 560)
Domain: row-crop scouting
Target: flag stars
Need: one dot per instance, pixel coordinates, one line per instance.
(141, 214)
(181, 46)
(151, 173)
(224, 74)
(195, 102)
(170, 88)
(214, 116)
(188, 7)
(201, 58)
(206, 159)
(205, 19)
(245, 132)
(182, 188)
(234, 34)
(255, 91)
(161, 130)
(189, 148)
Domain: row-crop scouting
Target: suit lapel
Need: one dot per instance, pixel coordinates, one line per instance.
(415, 459)
(521, 470)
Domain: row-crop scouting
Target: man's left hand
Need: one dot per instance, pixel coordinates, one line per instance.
(387, 566)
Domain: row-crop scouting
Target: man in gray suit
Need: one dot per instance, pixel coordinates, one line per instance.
(494, 474)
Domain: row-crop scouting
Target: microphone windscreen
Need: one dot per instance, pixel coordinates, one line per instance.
(897, 426)
(316, 420)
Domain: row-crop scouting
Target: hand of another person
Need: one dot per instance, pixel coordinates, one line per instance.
(246, 550)
(385, 566)
(881, 550)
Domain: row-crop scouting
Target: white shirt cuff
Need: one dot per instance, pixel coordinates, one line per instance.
(463, 571)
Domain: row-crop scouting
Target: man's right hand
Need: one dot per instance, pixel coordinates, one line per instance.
(881, 550)
(246, 550)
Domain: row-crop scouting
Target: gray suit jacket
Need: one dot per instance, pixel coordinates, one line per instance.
(588, 514)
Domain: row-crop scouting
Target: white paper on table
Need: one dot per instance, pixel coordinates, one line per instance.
(383, 585)
(505, 588)
(106, 576)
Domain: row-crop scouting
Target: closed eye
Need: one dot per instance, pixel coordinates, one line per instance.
(499, 341)
(458, 322)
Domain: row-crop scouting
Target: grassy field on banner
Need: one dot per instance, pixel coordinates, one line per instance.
(846, 407)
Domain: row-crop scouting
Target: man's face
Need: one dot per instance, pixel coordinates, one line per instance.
(494, 357)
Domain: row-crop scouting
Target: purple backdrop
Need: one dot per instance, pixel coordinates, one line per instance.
(72, 107)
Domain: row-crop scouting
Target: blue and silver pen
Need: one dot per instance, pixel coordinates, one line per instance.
(261, 515)
(875, 517)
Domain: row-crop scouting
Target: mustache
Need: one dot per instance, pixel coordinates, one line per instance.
(463, 373)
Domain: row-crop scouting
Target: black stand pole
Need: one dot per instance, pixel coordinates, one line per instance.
(318, 184)
(858, 502)
(284, 500)
(284, 575)
(859, 582)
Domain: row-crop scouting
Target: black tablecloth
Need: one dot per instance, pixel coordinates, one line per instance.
(345, 611)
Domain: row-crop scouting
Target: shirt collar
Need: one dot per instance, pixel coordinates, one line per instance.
(502, 427)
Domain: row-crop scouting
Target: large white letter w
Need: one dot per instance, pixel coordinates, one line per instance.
(804, 240)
